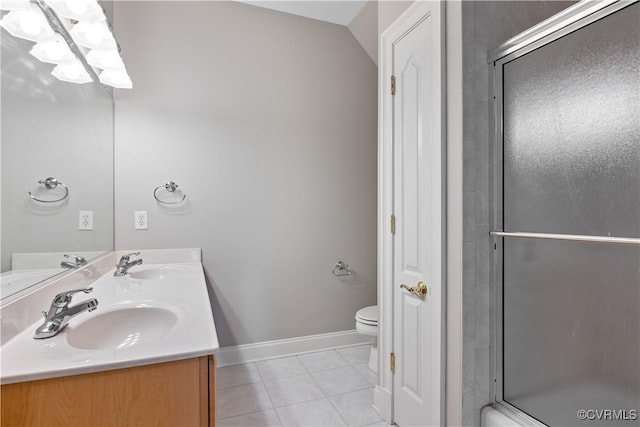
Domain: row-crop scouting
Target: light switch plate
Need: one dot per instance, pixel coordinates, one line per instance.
(85, 220)
(140, 218)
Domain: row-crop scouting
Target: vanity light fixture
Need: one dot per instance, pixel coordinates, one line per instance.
(116, 78)
(14, 4)
(104, 59)
(73, 34)
(78, 10)
(72, 72)
(53, 52)
(29, 24)
(93, 36)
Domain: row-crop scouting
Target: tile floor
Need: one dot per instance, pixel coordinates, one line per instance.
(328, 388)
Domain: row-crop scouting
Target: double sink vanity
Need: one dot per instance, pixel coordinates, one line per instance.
(131, 348)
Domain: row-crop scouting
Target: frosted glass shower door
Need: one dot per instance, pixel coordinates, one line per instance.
(570, 172)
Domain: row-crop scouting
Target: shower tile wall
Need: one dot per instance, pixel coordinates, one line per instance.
(486, 24)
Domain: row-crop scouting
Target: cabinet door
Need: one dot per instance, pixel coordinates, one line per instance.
(163, 394)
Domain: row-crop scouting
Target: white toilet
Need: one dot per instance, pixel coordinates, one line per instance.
(367, 324)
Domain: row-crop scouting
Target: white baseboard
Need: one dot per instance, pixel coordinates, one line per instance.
(271, 349)
(382, 402)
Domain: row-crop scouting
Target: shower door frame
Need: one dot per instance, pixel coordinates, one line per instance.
(554, 28)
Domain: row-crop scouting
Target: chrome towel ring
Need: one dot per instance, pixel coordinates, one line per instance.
(170, 187)
(341, 266)
(51, 183)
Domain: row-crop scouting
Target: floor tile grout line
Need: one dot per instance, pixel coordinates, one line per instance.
(348, 361)
(322, 398)
(315, 382)
(352, 391)
(360, 389)
(250, 413)
(303, 365)
(279, 358)
(342, 367)
(327, 397)
(301, 401)
(236, 385)
(338, 412)
(269, 395)
(325, 369)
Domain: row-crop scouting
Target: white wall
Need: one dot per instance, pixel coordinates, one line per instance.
(364, 28)
(55, 129)
(454, 312)
(389, 11)
(268, 122)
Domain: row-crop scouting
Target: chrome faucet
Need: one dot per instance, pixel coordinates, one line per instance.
(124, 264)
(77, 262)
(60, 313)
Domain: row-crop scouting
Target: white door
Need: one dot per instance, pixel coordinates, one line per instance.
(418, 208)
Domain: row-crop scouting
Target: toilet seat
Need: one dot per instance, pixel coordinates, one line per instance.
(368, 315)
(365, 322)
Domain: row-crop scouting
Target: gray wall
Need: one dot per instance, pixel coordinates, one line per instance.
(268, 123)
(486, 25)
(59, 129)
(389, 11)
(364, 28)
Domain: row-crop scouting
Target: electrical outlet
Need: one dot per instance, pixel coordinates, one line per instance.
(85, 220)
(140, 218)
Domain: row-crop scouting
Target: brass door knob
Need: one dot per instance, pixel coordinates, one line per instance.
(419, 290)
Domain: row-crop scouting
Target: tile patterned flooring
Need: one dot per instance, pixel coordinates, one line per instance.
(328, 388)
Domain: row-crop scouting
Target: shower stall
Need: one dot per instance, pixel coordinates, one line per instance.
(566, 218)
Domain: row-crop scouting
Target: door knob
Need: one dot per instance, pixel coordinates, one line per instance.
(419, 290)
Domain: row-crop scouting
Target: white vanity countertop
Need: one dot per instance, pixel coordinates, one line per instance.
(156, 313)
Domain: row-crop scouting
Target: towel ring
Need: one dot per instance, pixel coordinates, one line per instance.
(170, 187)
(51, 183)
(341, 266)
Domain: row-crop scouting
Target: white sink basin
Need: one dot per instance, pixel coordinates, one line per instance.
(120, 328)
(158, 272)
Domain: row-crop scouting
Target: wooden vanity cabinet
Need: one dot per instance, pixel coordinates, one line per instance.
(178, 393)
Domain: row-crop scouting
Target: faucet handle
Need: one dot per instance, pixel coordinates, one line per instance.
(126, 257)
(64, 298)
(78, 259)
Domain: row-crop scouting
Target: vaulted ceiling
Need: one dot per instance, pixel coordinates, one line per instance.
(337, 12)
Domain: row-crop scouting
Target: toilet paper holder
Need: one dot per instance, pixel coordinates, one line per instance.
(342, 268)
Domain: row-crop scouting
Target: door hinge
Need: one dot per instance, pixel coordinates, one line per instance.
(393, 224)
(393, 85)
(392, 363)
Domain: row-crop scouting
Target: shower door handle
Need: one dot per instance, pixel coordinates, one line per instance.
(419, 290)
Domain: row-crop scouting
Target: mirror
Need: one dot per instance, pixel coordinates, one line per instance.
(51, 129)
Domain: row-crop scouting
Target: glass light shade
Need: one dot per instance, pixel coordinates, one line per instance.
(88, 11)
(117, 78)
(14, 4)
(53, 52)
(93, 36)
(105, 59)
(29, 24)
(72, 72)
